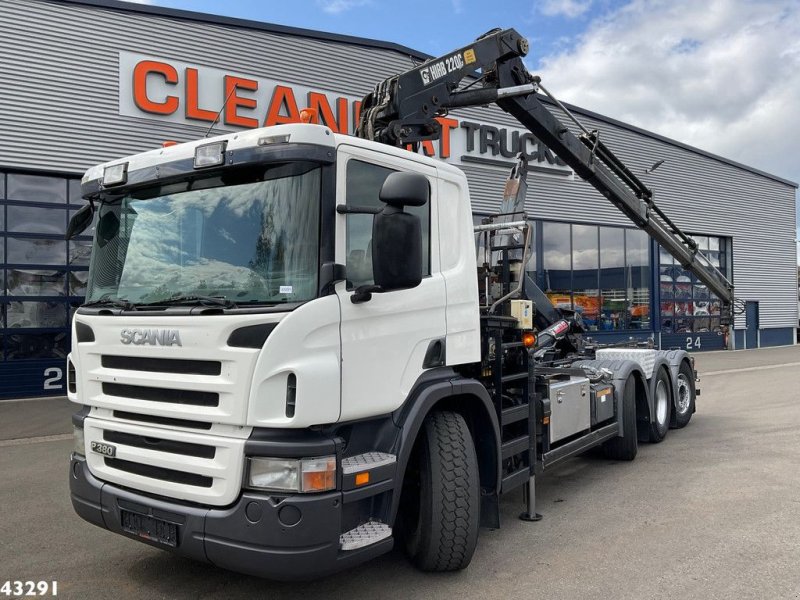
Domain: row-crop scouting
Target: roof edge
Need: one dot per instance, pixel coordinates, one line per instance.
(164, 11)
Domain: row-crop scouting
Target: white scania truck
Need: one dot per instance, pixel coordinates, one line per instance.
(290, 356)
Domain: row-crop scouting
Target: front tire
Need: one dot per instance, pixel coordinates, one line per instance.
(684, 396)
(441, 500)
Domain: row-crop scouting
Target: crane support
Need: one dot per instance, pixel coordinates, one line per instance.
(403, 109)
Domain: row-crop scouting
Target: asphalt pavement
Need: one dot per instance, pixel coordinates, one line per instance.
(711, 512)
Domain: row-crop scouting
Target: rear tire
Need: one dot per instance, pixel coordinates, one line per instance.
(684, 396)
(625, 447)
(441, 527)
(662, 406)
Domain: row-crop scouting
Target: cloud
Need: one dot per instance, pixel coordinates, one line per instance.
(723, 75)
(564, 8)
(335, 7)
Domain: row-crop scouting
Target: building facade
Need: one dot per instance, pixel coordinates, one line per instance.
(86, 81)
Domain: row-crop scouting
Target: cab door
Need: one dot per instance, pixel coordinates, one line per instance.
(384, 340)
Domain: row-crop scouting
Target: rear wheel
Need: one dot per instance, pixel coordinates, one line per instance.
(626, 446)
(662, 404)
(442, 496)
(684, 396)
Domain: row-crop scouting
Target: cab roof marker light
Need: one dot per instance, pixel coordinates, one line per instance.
(115, 174)
(209, 155)
(273, 139)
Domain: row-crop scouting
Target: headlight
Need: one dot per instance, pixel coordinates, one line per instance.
(293, 475)
(209, 155)
(115, 174)
(79, 445)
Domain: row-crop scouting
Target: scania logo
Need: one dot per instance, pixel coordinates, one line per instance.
(154, 337)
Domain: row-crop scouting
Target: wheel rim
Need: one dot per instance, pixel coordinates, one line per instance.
(661, 402)
(684, 394)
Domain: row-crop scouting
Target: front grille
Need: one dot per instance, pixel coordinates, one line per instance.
(162, 365)
(154, 394)
(129, 416)
(159, 473)
(151, 443)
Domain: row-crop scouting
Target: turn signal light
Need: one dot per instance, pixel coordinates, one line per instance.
(168, 143)
(319, 474)
(529, 339)
(362, 478)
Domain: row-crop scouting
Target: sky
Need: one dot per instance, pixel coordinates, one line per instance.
(721, 75)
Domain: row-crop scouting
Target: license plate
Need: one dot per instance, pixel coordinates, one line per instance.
(149, 528)
(104, 449)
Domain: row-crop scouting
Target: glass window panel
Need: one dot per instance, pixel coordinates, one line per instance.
(2, 217)
(667, 323)
(531, 266)
(613, 288)
(36, 188)
(637, 255)
(77, 283)
(34, 251)
(2, 186)
(682, 284)
(713, 243)
(22, 282)
(556, 264)
(74, 194)
(36, 314)
(364, 181)
(79, 253)
(40, 345)
(585, 263)
(664, 257)
(666, 282)
(34, 219)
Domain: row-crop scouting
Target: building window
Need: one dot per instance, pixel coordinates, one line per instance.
(687, 306)
(556, 273)
(603, 273)
(42, 277)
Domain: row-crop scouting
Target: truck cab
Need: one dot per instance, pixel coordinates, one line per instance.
(241, 377)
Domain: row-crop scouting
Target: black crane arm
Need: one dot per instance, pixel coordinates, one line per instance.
(403, 109)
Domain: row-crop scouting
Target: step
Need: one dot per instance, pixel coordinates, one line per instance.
(366, 461)
(365, 534)
(514, 377)
(512, 414)
(515, 446)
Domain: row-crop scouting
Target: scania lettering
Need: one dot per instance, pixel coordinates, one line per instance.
(295, 354)
(162, 337)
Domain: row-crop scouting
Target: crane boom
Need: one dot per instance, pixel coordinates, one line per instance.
(403, 109)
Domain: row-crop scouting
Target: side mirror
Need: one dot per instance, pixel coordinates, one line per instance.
(397, 235)
(80, 221)
(107, 228)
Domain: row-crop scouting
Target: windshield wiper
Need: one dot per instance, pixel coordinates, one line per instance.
(178, 299)
(115, 302)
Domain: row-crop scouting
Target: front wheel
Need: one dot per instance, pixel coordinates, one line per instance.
(684, 396)
(441, 497)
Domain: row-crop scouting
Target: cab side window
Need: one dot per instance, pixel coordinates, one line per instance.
(364, 181)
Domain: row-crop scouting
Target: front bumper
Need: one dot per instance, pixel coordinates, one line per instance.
(291, 539)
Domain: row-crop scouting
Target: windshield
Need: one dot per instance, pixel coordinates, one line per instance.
(255, 241)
